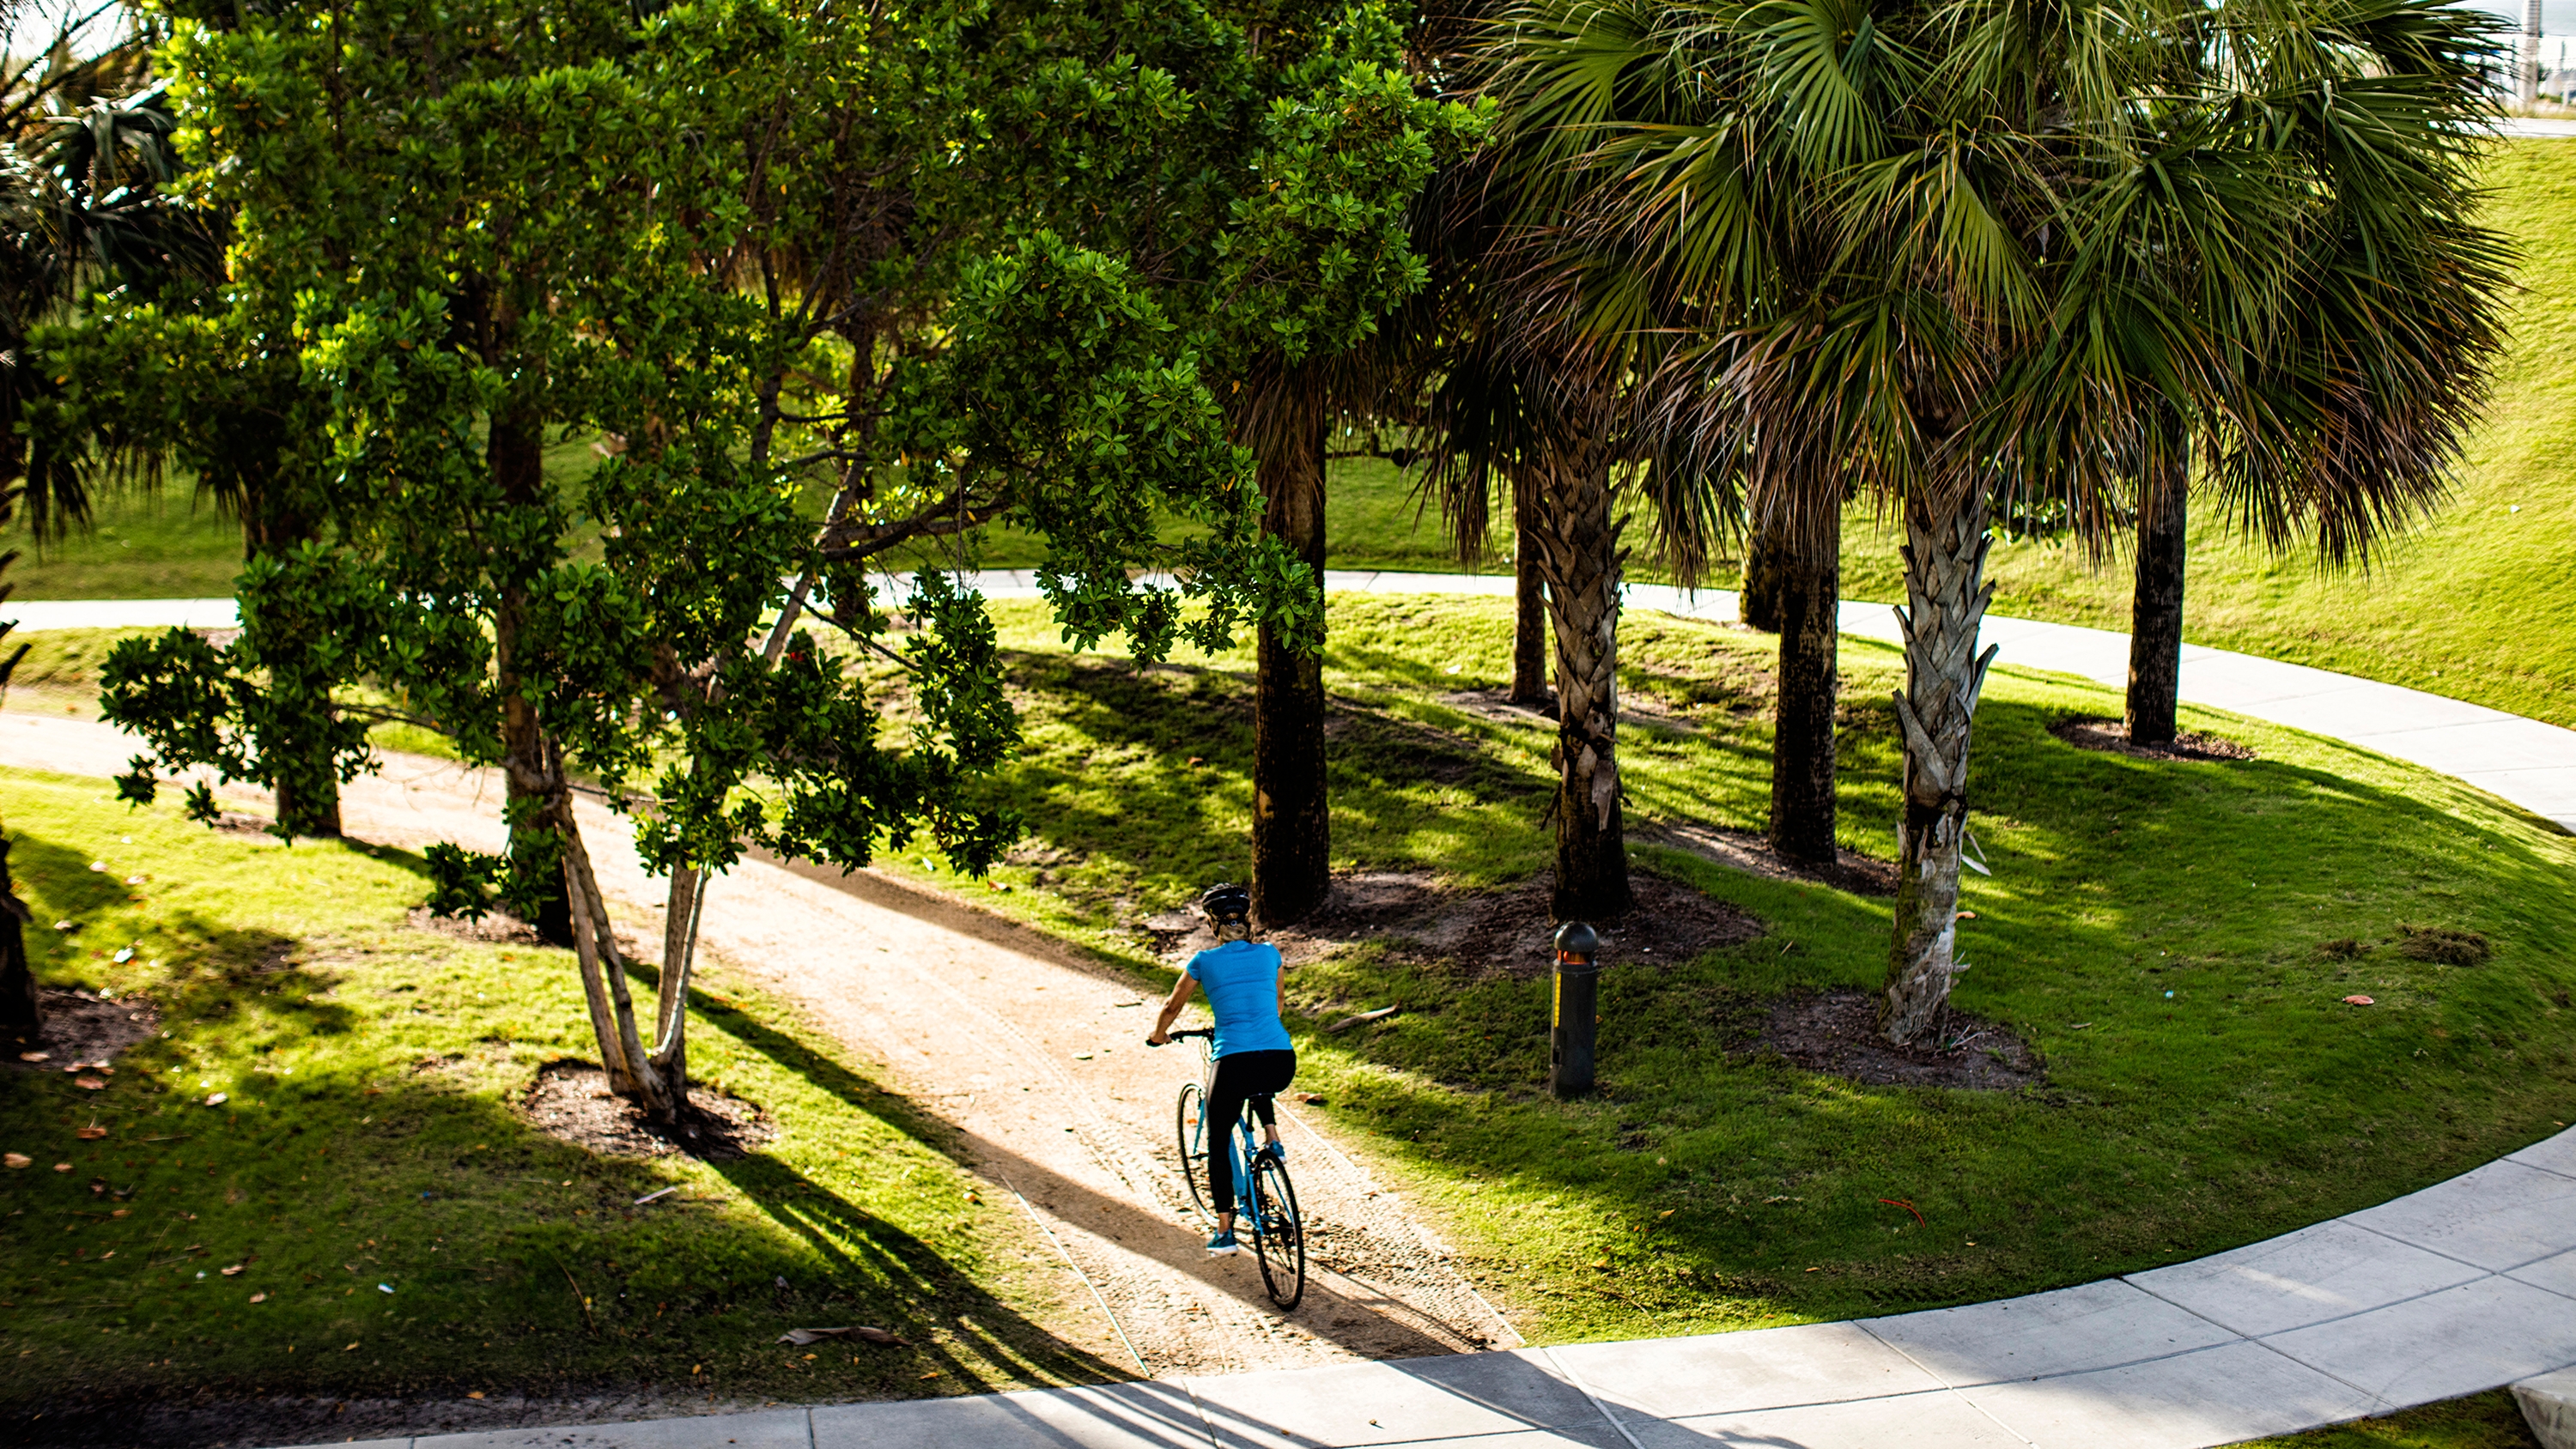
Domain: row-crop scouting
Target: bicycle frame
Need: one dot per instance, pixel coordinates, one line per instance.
(1240, 1145)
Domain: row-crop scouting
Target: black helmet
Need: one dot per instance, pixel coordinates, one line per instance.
(1226, 903)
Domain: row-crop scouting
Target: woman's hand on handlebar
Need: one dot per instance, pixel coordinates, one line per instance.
(1158, 1039)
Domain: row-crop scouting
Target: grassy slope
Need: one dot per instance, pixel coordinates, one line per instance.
(1708, 1181)
(2465, 607)
(369, 1138)
(2473, 604)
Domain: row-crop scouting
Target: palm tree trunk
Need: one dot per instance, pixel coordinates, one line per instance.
(516, 454)
(1578, 544)
(1805, 595)
(2155, 619)
(1529, 598)
(1291, 816)
(1759, 604)
(1945, 561)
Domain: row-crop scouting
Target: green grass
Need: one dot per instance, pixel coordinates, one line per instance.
(2480, 1421)
(370, 1138)
(2154, 930)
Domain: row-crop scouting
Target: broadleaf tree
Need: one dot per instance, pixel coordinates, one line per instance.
(749, 248)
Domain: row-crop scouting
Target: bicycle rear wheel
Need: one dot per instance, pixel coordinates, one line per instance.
(1278, 1234)
(1189, 1121)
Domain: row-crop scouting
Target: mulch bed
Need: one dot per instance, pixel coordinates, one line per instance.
(81, 1028)
(2112, 737)
(570, 1101)
(1836, 1033)
(1486, 933)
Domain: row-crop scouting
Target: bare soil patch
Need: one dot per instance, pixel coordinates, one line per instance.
(82, 1029)
(1836, 1032)
(571, 1101)
(1751, 853)
(2112, 737)
(1482, 933)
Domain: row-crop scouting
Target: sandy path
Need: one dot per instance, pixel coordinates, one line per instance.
(1034, 1053)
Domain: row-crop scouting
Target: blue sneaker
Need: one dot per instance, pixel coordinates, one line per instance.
(1222, 1245)
(1275, 1151)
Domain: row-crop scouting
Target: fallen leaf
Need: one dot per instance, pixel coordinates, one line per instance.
(90, 1084)
(90, 1134)
(1311, 1099)
(217, 1100)
(120, 1212)
(1198, 760)
(62, 1167)
(98, 865)
(259, 1298)
(18, 1160)
(35, 1056)
(232, 1272)
(123, 955)
(478, 1393)
(1381, 1014)
(2359, 1001)
(352, 1348)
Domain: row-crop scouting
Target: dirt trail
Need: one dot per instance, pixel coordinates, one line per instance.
(1034, 1053)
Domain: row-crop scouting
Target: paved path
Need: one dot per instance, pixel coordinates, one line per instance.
(2461, 1287)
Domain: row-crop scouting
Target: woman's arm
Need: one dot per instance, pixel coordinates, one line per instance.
(1172, 1005)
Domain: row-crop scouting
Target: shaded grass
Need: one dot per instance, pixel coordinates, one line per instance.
(370, 1138)
(2481, 1421)
(2152, 929)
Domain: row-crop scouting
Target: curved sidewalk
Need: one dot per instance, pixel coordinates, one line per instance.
(2464, 1286)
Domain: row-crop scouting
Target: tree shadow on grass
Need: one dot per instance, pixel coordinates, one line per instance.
(855, 1243)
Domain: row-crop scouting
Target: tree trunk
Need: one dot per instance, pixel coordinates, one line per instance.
(1529, 598)
(308, 798)
(1291, 817)
(22, 1008)
(1578, 544)
(1945, 561)
(1759, 604)
(2155, 620)
(1805, 595)
(670, 1054)
(516, 454)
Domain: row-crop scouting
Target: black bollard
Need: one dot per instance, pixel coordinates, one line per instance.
(1578, 997)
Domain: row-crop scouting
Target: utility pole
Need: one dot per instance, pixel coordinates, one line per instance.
(2530, 57)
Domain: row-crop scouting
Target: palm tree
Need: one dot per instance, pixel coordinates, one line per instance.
(2040, 230)
(1528, 404)
(2357, 394)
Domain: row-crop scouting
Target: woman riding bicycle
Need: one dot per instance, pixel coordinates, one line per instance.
(1254, 1058)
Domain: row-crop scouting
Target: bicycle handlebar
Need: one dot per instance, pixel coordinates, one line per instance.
(1196, 1031)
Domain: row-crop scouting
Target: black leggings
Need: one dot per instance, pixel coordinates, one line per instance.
(1241, 1077)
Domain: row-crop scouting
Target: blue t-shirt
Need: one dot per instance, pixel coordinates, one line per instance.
(1241, 979)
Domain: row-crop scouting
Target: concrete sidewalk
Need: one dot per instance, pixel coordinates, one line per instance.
(2458, 1288)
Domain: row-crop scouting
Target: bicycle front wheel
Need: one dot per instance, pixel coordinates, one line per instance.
(1189, 1121)
(1278, 1234)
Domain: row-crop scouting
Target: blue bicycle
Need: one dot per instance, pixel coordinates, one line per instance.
(1267, 1206)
